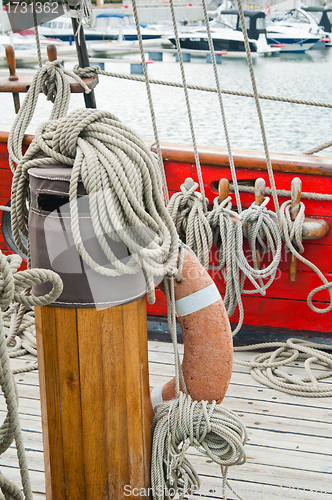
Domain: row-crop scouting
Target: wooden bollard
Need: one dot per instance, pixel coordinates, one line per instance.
(223, 189)
(259, 198)
(10, 57)
(52, 53)
(296, 189)
(93, 374)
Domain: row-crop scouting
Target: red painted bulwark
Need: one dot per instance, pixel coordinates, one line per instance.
(284, 305)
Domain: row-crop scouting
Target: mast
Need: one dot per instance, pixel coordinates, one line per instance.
(82, 51)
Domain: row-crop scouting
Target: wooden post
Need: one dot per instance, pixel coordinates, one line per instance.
(259, 198)
(223, 189)
(93, 371)
(296, 189)
(10, 57)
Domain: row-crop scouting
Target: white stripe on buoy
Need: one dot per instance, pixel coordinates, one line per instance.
(156, 396)
(197, 301)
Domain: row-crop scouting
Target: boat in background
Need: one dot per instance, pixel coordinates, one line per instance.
(323, 17)
(296, 29)
(62, 28)
(227, 34)
(121, 26)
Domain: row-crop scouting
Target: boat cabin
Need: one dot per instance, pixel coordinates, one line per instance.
(255, 21)
(323, 17)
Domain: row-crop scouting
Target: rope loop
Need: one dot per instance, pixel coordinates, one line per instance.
(187, 212)
(178, 424)
(292, 229)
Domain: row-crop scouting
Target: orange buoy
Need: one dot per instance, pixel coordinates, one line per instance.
(207, 337)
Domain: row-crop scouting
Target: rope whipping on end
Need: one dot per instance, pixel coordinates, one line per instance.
(187, 211)
(122, 180)
(12, 287)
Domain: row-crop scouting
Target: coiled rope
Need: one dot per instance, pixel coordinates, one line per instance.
(121, 178)
(13, 287)
(181, 423)
(232, 262)
(264, 367)
(187, 211)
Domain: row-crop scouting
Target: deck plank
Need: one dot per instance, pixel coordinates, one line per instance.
(289, 444)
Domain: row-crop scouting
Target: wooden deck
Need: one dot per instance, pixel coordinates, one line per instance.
(289, 452)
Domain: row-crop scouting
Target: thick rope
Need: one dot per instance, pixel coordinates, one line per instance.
(122, 180)
(149, 96)
(92, 71)
(292, 234)
(52, 79)
(264, 367)
(232, 262)
(183, 423)
(187, 211)
(12, 283)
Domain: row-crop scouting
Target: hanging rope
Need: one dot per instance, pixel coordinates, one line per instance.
(292, 231)
(149, 96)
(265, 367)
(13, 287)
(52, 79)
(181, 423)
(232, 261)
(187, 212)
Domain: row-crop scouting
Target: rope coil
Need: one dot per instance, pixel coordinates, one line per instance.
(187, 212)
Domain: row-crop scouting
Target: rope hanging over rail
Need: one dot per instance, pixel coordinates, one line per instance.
(187, 211)
(232, 262)
(13, 288)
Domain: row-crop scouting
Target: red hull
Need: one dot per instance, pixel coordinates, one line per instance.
(284, 306)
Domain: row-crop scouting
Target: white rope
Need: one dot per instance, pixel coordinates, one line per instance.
(11, 285)
(265, 367)
(181, 423)
(84, 14)
(292, 231)
(121, 178)
(187, 211)
(232, 262)
(52, 79)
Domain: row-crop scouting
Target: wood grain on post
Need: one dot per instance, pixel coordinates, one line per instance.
(296, 189)
(259, 198)
(93, 370)
(11, 62)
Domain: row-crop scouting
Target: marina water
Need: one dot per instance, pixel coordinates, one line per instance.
(290, 128)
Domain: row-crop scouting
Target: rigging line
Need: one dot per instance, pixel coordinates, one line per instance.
(35, 23)
(285, 193)
(149, 95)
(222, 109)
(193, 137)
(95, 69)
(259, 112)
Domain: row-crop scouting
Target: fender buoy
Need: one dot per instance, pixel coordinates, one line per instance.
(207, 337)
